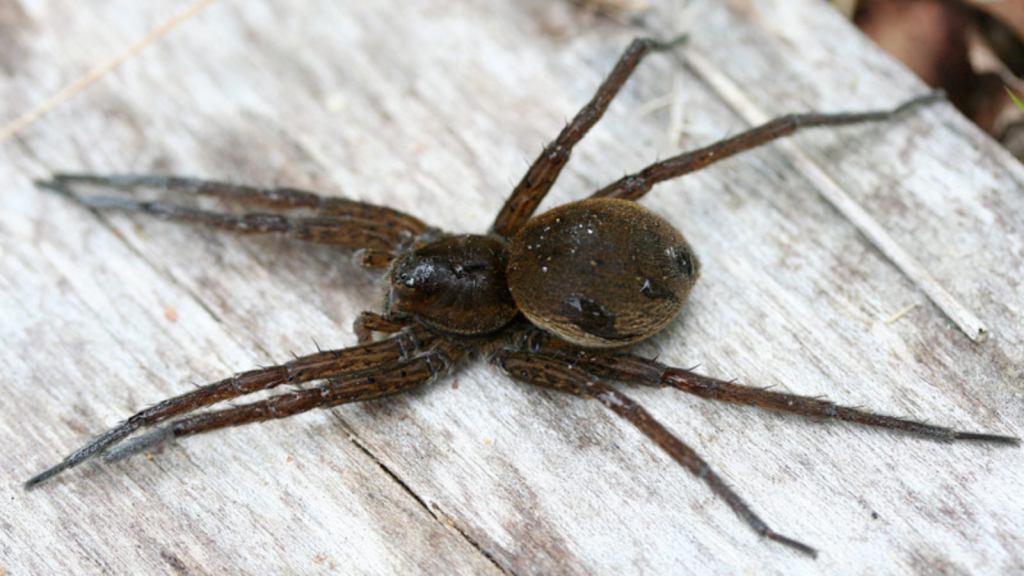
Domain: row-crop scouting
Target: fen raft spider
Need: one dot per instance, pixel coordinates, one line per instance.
(555, 301)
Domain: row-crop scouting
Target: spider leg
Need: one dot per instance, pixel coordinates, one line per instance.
(345, 231)
(277, 198)
(370, 258)
(564, 376)
(369, 322)
(634, 186)
(326, 364)
(542, 174)
(367, 385)
(630, 368)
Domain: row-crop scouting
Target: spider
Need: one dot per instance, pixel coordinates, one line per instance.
(555, 300)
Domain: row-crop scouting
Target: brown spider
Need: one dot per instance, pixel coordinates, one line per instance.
(554, 300)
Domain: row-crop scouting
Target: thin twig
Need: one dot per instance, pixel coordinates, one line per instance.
(96, 73)
(899, 315)
(653, 105)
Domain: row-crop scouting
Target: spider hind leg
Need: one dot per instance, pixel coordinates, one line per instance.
(635, 186)
(636, 370)
(565, 376)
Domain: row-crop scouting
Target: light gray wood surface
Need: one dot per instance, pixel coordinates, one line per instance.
(435, 107)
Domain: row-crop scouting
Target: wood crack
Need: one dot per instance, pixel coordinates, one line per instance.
(433, 509)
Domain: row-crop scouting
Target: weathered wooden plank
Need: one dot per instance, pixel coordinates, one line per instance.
(432, 108)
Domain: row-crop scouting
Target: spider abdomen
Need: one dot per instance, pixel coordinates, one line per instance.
(454, 285)
(601, 272)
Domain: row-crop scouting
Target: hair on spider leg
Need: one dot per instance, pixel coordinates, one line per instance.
(513, 296)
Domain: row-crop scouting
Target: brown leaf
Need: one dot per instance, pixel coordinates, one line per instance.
(927, 36)
(1009, 12)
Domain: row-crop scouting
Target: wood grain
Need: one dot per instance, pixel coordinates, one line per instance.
(433, 107)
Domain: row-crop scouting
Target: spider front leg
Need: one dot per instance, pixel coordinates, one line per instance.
(380, 233)
(542, 174)
(325, 364)
(276, 198)
(566, 376)
(635, 186)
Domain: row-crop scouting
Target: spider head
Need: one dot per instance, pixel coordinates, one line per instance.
(601, 272)
(455, 284)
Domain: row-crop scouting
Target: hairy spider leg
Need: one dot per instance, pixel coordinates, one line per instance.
(379, 240)
(542, 174)
(369, 322)
(371, 384)
(277, 198)
(564, 376)
(325, 364)
(636, 370)
(724, 391)
(635, 186)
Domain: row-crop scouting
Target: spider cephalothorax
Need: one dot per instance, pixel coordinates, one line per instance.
(455, 284)
(590, 278)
